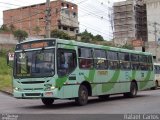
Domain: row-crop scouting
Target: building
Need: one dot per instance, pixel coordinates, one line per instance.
(7, 41)
(64, 16)
(130, 21)
(153, 25)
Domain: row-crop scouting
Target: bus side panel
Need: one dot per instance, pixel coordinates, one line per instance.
(147, 80)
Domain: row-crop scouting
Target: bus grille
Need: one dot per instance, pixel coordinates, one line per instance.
(32, 94)
(33, 88)
(32, 82)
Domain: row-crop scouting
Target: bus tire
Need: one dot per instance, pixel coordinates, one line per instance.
(156, 86)
(82, 96)
(133, 90)
(47, 101)
(103, 97)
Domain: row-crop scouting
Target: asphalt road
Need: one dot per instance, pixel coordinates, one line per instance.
(145, 102)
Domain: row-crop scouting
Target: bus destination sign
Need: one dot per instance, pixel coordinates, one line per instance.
(35, 44)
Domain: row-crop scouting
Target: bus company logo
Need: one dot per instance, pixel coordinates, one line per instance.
(141, 117)
(9, 117)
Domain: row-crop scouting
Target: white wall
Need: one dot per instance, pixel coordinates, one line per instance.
(7, 39)
(153, 15)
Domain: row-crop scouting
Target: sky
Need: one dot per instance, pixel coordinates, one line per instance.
(93, 15)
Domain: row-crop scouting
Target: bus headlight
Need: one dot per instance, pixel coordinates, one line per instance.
(52, 88)
(49, 88)
(17, 89)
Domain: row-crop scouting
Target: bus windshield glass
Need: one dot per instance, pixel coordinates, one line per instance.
(38, 63)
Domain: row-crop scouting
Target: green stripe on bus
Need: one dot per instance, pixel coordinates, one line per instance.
(146, 80)
(61, 81)
(70, 46)
(114, 79)
(133, 75)
(91, 75)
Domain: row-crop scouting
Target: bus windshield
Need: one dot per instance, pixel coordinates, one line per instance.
(38, 63)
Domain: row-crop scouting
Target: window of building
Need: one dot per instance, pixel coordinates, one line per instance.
(85, 58)
(65, 28)
(59, 27)
(67, 11)
(67, 5)
(77, 31)
(71, 29)
(62, 4)
(100, 60)
(74, 14)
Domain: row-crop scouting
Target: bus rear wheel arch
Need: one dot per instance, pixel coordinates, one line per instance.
(47, 101)
(156, 84)
(133, 90)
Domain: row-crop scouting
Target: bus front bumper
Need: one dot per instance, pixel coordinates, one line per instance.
(34, 94)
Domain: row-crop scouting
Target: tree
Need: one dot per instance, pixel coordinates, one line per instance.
(20, 35)
(98, 38)
(12, 28)
(89, 37)
(86, 36)
(60, 34)
(4, 28)
(37, 30)
(127, 46)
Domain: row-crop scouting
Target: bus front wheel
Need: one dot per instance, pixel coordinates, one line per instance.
(47, 101)
(82, 96)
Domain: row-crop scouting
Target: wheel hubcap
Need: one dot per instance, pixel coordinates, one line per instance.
(83, 96)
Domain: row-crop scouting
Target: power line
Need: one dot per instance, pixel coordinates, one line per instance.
(20, 20)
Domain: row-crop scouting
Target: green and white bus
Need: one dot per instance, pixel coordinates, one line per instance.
(52, 69)
(157, 74)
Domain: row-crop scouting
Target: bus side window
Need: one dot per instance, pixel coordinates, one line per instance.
(66, 61)
(113, 62)
(100, 60)
(85, 58)
(135, 62)
(124, 61)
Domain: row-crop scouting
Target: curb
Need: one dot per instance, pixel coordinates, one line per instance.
(5, 92)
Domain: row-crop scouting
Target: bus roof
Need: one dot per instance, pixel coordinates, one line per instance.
(76, 43)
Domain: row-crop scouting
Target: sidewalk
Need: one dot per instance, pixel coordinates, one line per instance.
(6, 92)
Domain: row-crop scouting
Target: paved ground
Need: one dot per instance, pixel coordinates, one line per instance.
(145, 102)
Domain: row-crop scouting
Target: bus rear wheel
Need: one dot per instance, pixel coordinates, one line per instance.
(156, 85)
(133, 91)
(82, 96)
(47, 101)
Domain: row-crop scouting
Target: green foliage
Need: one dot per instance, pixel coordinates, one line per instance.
(20, 35)
(98, 38)
(127, 46)
(88, 37)
(12, 28)
(37, 30)
(5, 73)
(60, 34)
(4, 28)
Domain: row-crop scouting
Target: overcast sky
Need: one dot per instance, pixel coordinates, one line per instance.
(94, 15)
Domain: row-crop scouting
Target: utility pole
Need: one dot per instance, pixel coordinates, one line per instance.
(155, 33)
(48, 19)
